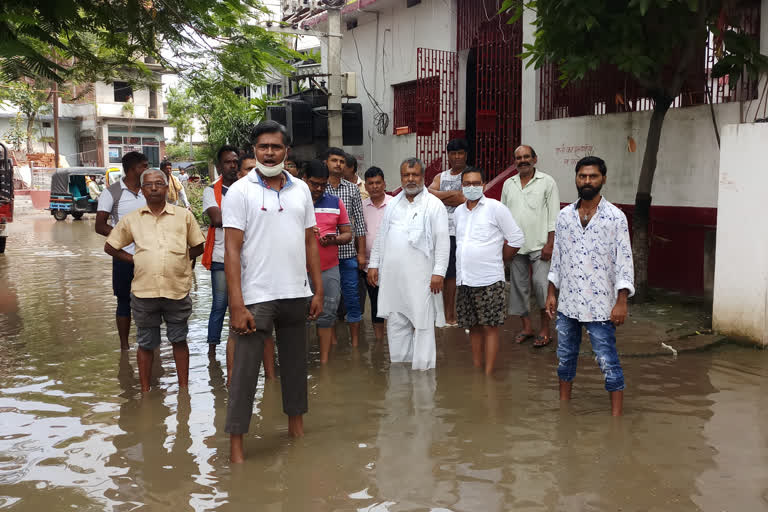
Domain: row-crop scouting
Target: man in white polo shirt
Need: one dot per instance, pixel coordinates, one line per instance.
(115, 202)
(486, 234)
(270, 246)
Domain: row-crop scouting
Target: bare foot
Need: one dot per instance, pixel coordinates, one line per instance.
(236, 455)
(296, 426)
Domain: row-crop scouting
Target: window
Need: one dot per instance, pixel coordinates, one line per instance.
(404, 111)
(123, 92)
(115, 154)
(274, 90)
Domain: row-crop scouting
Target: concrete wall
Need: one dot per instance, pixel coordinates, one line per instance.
(688, 160)
(387, 37)
(104, 95)
(68, 132)
(741, 269)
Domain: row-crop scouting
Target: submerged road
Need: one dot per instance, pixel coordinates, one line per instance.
(75, 433)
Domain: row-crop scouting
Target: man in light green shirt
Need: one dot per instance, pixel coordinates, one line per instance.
(534, 201)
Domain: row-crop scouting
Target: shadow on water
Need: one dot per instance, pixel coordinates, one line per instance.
(75, 431)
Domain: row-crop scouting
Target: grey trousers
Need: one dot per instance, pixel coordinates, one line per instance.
(289, 317)
(524, 269)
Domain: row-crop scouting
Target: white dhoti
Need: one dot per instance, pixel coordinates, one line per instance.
(411, 248)
(410, 345)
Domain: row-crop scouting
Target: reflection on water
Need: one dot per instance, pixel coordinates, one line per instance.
(75, 432)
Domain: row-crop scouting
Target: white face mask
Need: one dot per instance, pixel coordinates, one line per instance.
(270, 172)
(473, 193)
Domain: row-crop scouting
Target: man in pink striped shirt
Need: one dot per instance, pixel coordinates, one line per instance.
(373, 211)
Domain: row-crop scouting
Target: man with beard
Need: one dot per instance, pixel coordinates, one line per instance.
(408, 263)
(447, 187)
(270, 246)
(534, 201)
(592, 269)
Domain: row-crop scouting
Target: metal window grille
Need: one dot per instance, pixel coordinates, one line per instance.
(404, 111)
(436, 105)
(608, 90)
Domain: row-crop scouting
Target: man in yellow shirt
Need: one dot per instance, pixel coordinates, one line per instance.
(167, 237)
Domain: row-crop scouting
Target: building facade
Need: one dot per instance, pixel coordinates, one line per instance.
(432, 70)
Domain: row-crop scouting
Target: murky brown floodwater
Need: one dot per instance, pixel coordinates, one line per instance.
(75, 434)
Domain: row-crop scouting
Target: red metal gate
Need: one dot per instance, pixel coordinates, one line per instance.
(499, 81)
(437, 106)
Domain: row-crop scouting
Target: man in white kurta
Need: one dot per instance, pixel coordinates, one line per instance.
(409, 260)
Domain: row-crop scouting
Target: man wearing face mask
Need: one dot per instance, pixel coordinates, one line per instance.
(593, 271)
(408, 263)
(269, 248)
(486, 235)
(534, 201)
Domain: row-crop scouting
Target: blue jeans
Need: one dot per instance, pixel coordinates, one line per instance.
(349, 289)
(218, 304)
(603, 338)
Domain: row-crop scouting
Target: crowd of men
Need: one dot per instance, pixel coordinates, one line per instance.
(290, 243)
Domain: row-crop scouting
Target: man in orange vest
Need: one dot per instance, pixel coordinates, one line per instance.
(213, 255)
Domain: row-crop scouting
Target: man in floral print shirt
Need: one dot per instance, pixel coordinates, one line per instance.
(593, 273)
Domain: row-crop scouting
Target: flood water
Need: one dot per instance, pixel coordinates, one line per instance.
(75, 433)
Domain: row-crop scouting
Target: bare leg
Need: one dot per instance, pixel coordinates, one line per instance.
(378, 330)
(565, 390)
(617, 403)
(449, 300)
(491, 336)
(476, 339)
(324, 340)
(296, 426)
(181, 356)
(230, 357)
(269, 358)
(211, 350)
(544, 329)
(144, 359)
(334, 340)
(123, 330)
(526, 323)
(236, 455)
(354, 332)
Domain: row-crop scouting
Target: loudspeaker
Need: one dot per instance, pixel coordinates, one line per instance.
(299, 122)
(352, 124)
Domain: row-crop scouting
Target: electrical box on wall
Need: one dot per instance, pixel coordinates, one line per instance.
(349, 84)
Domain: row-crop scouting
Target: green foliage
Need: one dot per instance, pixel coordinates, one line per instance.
(99, 39)
(195, 198)
(180, 152)
(30, 101)
(17, 133)
(181, 113)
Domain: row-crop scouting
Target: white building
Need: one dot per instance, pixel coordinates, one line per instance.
(104, 123)
(447, 68)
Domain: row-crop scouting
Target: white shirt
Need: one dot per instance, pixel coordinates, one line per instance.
(183, 178)
(129, 202)
(209, 200)
(480, 235)
(405, 268)
(590, 265)
(273, 258)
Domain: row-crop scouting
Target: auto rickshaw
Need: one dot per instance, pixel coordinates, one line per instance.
(69, 192)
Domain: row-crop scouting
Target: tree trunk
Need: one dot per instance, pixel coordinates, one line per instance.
(641, 218)
(30, 129)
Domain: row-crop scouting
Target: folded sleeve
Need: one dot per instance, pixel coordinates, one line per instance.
(556, 264)
(121, 235)
(442, 240)
(234, 209)
(624, 266)
(512, 232)
(553, 205)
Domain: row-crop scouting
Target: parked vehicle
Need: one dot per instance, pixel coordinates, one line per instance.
(6, 194)
(69, 192)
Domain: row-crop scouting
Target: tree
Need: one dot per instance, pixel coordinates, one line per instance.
(655, 41)
(30, 102)
(181, 113)
(44, 38)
